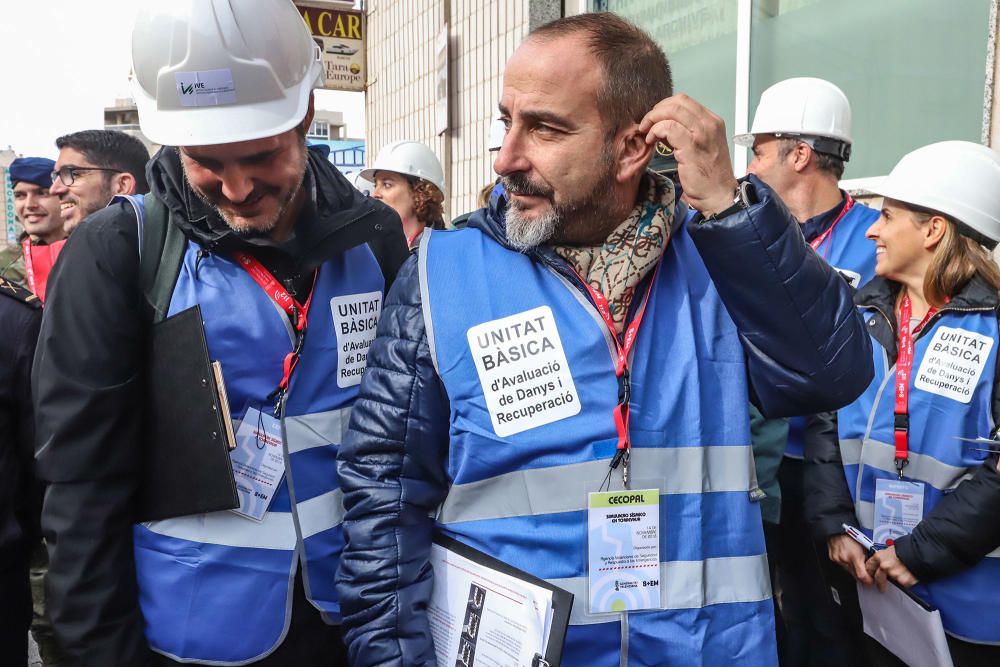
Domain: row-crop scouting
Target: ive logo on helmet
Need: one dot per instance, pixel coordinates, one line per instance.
(206, 88)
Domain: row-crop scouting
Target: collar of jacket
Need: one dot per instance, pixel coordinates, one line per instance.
(492, 222)
(880, 295)
(818, 224)
(325, 226)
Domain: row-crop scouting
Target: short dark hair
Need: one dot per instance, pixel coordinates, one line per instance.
(636, 74)
(113, 150)
(824, 162)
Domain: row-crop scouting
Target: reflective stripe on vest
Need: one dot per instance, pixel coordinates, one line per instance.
(688, 585)
(554, 489)
(522, 497)
(936, 456)
(237, 573)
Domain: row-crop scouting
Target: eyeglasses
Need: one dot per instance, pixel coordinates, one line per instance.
(68, 174)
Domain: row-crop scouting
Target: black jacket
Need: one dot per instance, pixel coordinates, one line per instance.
(963, 527)
(20, 317)
(87, 384)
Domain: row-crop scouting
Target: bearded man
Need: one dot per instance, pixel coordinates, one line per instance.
(268, 236)
(590, 332)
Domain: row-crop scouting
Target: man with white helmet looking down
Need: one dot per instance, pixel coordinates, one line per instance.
(801, 138)
(409, 178)
(264, 235)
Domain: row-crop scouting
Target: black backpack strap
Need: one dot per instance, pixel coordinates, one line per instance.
(161, 252)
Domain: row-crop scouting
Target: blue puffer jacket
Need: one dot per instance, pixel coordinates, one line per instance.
(806, 351)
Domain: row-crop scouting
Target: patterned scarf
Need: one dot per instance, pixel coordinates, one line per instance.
(615, 267)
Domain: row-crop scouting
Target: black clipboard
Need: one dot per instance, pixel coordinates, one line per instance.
(186, 466)
(562, 600)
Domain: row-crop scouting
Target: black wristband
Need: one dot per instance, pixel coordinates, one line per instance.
(744, 198)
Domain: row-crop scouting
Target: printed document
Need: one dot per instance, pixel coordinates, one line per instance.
(912, 633)
(481, 616)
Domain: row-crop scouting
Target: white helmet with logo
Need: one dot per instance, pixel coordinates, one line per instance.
(958, 178)
(218, 71)
(804, 107)
(410, 158)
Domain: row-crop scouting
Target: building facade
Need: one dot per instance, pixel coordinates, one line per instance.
(403, 79)
(914, 71)
(123, 116)
(328, 129)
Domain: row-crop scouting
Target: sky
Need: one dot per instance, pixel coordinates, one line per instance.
(63, 61)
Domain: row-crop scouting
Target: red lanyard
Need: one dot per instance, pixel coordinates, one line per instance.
(294, 310)
(904, 364)
(29, 267)
(623, 347)
(818, 241)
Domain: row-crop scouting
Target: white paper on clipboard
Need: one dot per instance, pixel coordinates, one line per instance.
(912, 633)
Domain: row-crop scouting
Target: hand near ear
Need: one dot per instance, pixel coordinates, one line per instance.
(701, 148)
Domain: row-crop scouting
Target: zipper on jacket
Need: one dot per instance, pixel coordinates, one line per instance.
(202, 254)
(928, 324)
(944, 311)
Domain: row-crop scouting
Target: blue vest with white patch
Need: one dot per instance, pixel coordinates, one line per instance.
(218, 587)
(853, 255)
(951, 386)
(530, 377)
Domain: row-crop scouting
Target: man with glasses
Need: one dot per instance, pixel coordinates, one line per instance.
(93, 167)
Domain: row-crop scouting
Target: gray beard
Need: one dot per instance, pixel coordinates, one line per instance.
(524, 234)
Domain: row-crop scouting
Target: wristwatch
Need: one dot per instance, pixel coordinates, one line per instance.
(744, 198)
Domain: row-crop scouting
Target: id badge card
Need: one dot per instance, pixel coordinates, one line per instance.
(899, 507)
(258, 462)
(623, 545)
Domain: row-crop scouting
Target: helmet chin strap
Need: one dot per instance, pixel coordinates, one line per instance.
(825, 145)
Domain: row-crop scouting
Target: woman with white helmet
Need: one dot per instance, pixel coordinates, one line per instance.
(898, 462)
(409, 178)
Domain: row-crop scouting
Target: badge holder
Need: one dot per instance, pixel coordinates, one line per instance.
(258, 462)
(899, 507)
(623, 545)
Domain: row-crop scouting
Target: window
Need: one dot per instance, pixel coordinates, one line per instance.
(699, 38)
(913, 70)
(320, 129)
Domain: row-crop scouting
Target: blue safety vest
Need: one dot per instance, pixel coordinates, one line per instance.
(847, 250)
(522, 497)
(951, 386)
(217, 587)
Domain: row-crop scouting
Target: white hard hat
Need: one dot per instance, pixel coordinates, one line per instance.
(804, 107)
(361, 183)
(217, 71)
(958, 178)
(410, 158)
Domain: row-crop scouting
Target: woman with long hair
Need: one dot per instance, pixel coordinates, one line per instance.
(901, 462)
(409, 178)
